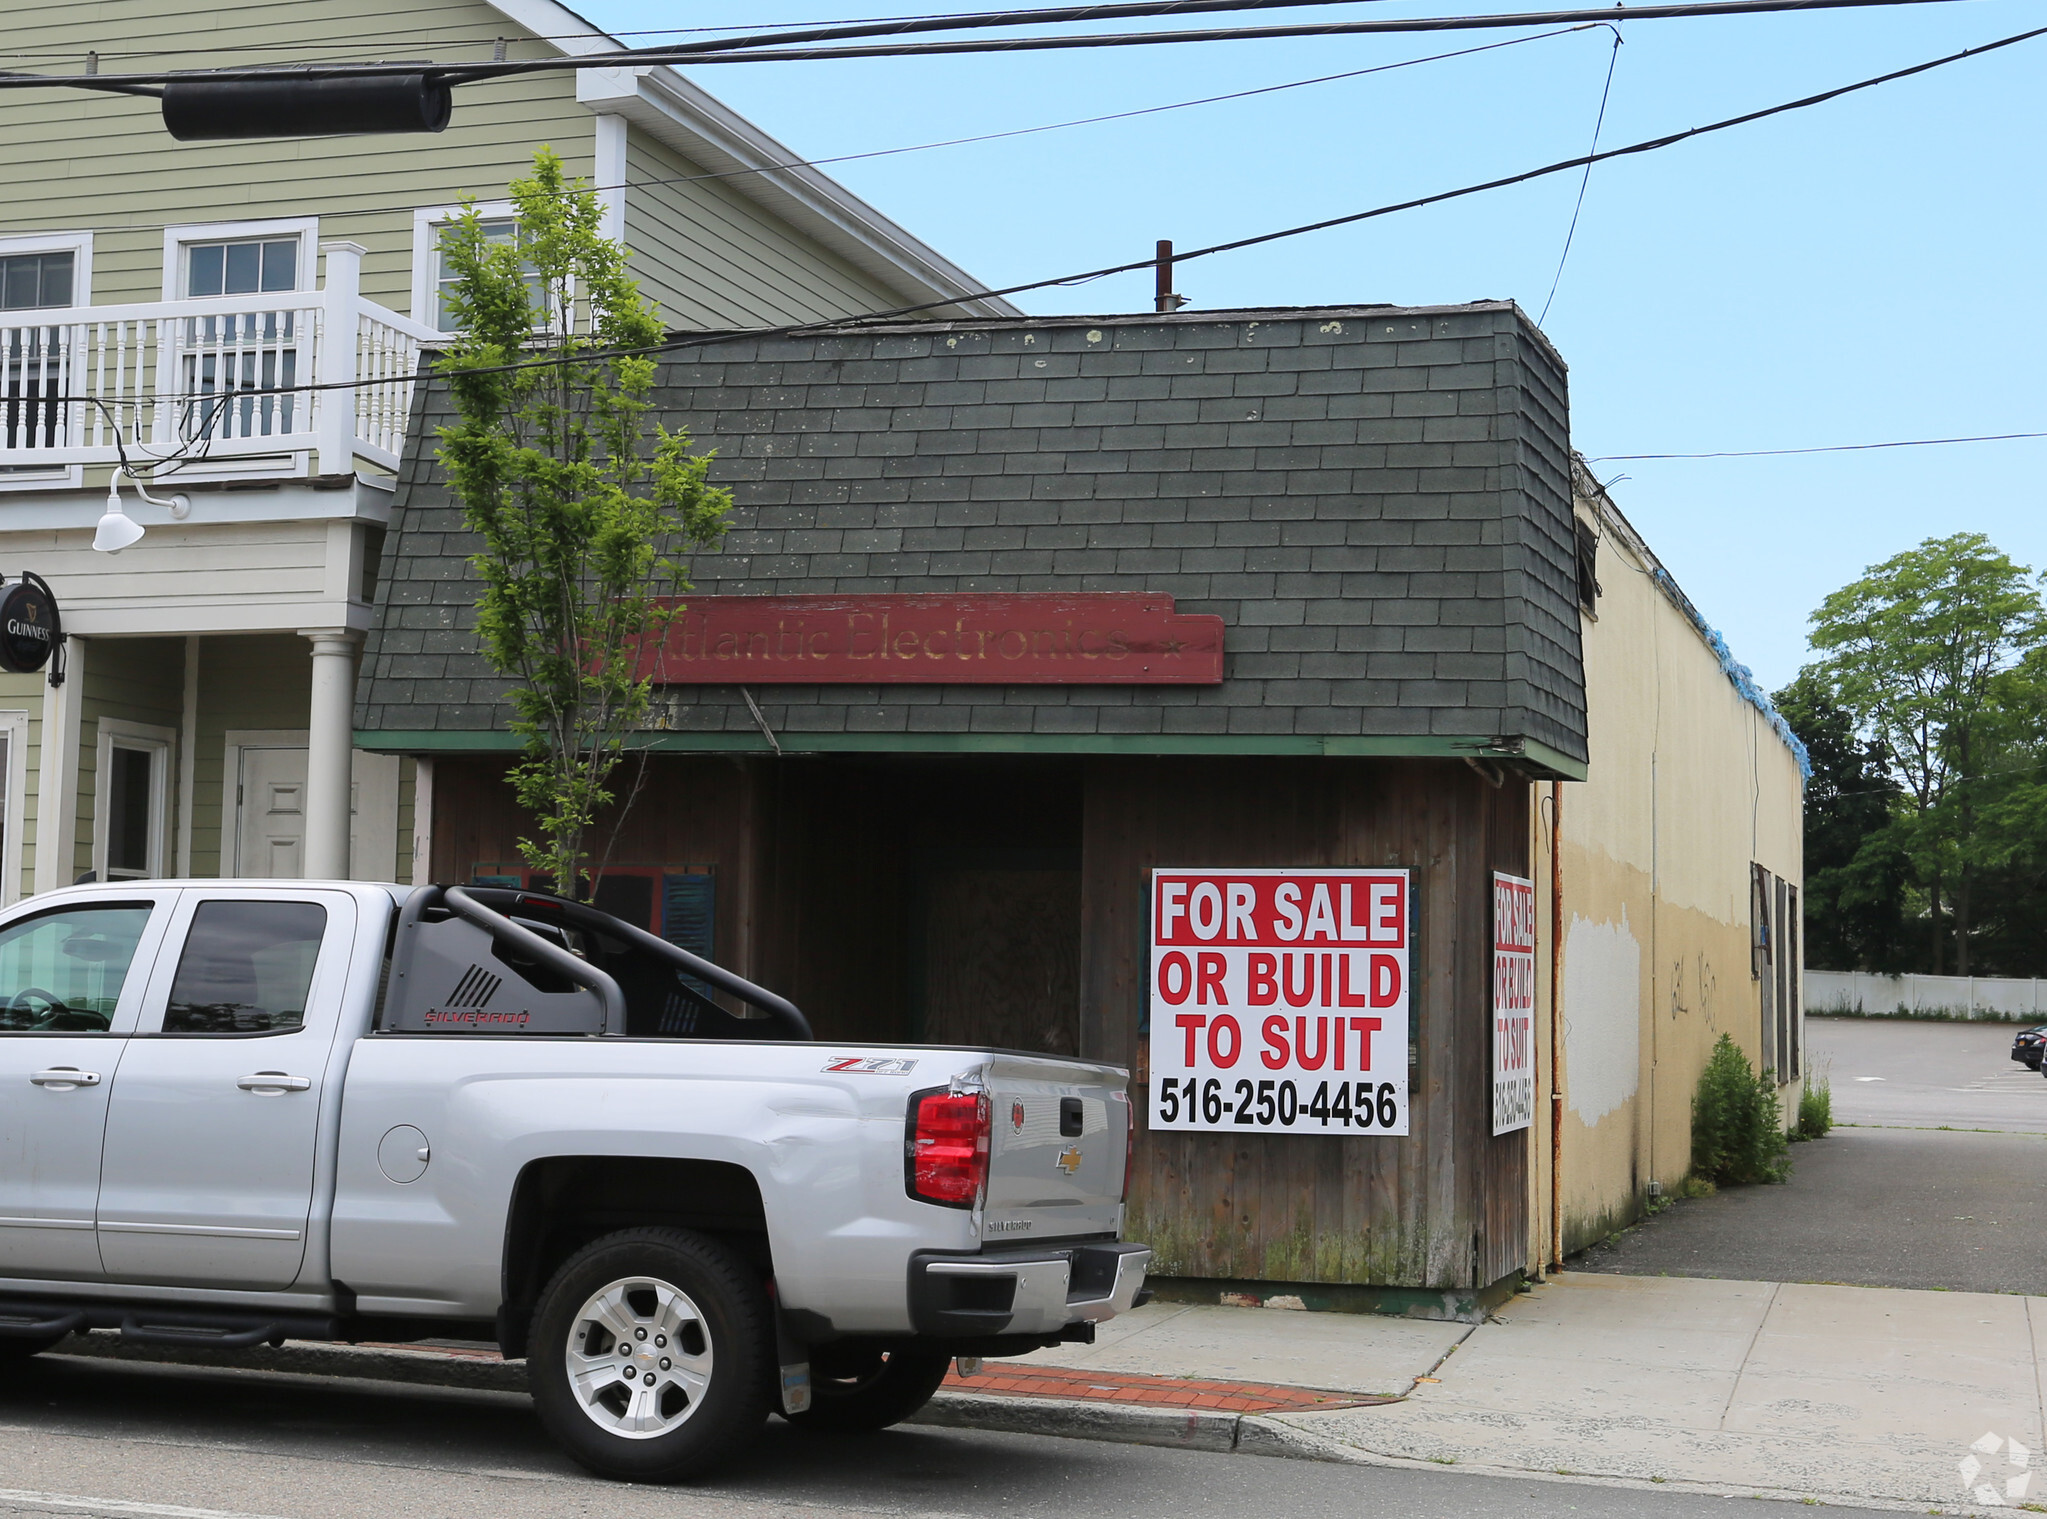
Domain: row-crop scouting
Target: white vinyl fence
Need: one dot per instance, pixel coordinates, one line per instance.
(1859, 994)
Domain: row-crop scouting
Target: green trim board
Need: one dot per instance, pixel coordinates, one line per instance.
(1533, 756)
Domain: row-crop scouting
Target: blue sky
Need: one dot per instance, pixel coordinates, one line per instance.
(1851, 273)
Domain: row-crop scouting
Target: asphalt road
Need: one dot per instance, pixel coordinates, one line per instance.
(1903, 1072)
(106, 1438)
(1931, 1180)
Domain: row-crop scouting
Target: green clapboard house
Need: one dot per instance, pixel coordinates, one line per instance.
(204, 726)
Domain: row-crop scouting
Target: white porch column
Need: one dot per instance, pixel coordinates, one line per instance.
(340, 321)
(57, 797)
(330, 748)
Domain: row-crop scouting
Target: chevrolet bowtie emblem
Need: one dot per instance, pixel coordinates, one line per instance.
(1068, 1161)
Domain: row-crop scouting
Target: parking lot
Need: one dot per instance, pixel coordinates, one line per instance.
(1928, 1180)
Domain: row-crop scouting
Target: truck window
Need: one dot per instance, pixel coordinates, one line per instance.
(246, 968)
(62, 971)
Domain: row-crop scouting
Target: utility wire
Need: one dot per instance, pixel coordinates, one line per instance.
(1605, 90)
(1829, 448)
(773, 48)
(361, 208)
(871, 319)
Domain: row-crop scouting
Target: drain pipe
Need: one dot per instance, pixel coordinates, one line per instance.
(1556, 1087)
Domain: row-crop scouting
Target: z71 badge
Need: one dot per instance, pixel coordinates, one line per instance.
(854, 1065)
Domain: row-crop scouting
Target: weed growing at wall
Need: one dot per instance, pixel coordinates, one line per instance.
(1816, 1106)
(1737, 1123)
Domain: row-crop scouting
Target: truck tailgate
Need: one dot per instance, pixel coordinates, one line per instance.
(1057, 1147)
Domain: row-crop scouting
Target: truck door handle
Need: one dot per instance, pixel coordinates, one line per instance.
(274, 1083)
(64, 1078)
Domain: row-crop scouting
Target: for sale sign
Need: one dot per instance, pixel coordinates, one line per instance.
(1279, 1001)
(1513, 1003)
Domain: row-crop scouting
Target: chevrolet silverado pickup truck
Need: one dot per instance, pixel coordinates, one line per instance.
(236, 1113)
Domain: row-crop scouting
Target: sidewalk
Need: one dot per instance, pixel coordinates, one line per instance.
(1864, 1395)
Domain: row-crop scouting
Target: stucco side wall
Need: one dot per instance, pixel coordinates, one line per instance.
(1688, 784)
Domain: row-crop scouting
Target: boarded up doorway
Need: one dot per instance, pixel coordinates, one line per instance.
(997, 950)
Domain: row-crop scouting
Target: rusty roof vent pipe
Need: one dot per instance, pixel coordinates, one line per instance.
(1165, 303)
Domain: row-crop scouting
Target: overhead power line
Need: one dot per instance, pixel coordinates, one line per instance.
(365, 208)
(1827, 448)
(869, 319)
(773, 48)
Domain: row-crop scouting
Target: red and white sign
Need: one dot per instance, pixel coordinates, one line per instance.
(1279, 1001)
(1513, 1003)
(1035, 638)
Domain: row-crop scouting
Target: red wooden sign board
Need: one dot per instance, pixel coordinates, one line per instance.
(1027, 639)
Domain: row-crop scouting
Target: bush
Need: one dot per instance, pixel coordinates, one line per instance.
(1737, 1122)
(1815, 1106)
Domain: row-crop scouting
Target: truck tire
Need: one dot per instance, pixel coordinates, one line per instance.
(861, 1390)
(652, 1355)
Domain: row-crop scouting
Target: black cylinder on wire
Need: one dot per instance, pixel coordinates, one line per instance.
(292, 105)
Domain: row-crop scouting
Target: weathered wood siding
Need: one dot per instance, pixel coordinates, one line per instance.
(1443, 1206)
(883, 895)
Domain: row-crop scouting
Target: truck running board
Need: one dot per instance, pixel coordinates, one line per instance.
(218, 1329)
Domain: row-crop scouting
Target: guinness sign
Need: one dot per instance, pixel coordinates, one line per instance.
(29, 627)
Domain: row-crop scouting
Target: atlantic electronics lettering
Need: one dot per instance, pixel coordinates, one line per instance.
(1279, 1001)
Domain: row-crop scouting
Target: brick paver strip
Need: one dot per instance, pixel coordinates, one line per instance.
(1091, 1387)
(1155, 1392)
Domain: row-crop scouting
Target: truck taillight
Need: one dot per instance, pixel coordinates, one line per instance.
(948, 1149)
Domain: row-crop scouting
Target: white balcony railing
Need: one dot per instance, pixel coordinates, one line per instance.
(212, 378)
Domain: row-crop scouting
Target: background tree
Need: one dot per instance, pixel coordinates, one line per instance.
(1857, 880)
(1926, 654)
(579, 498)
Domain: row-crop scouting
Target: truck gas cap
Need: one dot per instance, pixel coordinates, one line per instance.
(402, 1154)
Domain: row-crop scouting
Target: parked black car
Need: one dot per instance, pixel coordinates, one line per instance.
(2029, 1045)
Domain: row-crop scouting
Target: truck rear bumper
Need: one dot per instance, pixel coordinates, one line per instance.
(1039, 1290)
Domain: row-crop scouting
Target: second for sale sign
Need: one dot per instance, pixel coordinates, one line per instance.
(1279, 1001)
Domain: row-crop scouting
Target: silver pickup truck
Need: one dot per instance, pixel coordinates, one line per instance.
(235, 1113)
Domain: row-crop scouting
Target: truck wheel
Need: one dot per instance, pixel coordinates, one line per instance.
(859, 1390)
(652, 1355)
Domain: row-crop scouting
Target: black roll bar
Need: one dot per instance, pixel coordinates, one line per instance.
(531, 946)
(778, 1008)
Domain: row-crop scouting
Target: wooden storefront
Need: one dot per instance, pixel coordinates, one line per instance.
(1373, 508)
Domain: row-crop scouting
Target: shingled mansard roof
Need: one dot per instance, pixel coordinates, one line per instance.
(1376, 501)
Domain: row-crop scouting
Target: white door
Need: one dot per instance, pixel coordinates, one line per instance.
(270, 824)
(207, 1177)
(71, 983)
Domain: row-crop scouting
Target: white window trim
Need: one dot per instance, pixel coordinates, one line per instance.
(14, 728)
(305, 228)
(79, 245)
(163, 743)
(425, 264)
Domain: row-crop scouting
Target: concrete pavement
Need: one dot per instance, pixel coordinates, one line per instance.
(1866, 1397)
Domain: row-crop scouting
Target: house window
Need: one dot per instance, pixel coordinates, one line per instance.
(131, 806)
(241, 266)
(37, 281)
(495, 230)
(34, 355)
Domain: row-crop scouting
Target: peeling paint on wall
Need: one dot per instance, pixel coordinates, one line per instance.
(1602, 1016)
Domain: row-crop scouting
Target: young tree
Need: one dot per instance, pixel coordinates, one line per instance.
(1921, 651)
(580, 499)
